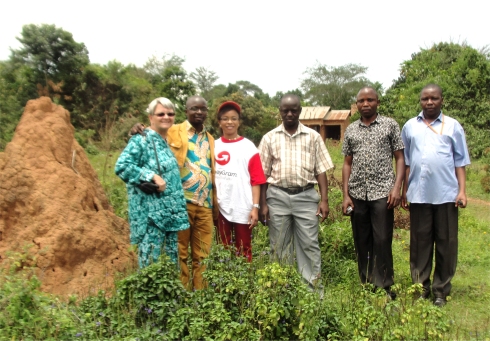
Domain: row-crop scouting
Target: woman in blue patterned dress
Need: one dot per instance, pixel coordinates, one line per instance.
(155, 218)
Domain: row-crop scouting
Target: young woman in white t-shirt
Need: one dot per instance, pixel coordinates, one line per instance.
(239, 175)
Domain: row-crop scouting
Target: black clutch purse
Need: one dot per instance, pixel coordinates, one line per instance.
(150, 187)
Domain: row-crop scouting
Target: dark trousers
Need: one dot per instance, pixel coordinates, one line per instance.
(372, 227)
(431, 224)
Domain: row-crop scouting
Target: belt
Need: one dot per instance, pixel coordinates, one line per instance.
(296, 190)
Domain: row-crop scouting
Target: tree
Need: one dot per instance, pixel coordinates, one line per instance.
(15, 90)
(156, 67)
(176, 87)
(204, 80)
(464, 75)
(250, 89)
(109, 91)
(169, 79)
(216, 92)
(336, 87)
(276, 99)
(56, 59)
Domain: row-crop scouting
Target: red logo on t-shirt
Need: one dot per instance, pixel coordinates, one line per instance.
(223, 158)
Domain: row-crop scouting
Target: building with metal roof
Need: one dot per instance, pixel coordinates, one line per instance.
(331, 124)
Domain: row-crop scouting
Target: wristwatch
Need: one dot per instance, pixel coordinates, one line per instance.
(257, 206)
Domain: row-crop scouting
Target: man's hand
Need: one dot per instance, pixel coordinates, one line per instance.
(138, 128)
(323, 210)
(162, 185)
(405, 204)
(461, 200)
(394, 198)
(264, 213)
(346, 203)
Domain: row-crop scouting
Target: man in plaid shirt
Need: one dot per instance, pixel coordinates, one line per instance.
(294, 159)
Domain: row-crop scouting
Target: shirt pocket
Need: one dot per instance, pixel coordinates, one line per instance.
(307, 164)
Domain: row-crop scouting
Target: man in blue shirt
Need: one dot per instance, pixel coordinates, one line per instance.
(435, 186)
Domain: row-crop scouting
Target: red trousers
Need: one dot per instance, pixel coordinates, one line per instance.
(242, 236)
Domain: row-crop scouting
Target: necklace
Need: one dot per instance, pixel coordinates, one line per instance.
(233, 139)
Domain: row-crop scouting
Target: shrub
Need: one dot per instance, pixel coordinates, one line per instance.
(283, 307)
(154, 291)
(84, 137)
(367, 314)
(25, 312)
(338, 253)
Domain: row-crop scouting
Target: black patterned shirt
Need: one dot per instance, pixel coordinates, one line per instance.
(372, 147)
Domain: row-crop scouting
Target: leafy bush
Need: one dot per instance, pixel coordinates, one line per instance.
(25, 312)
(336, 243)
(485, 181)
(155, 292)
(84, 137)
(283, 307)
(363, 313)
(91, 149)
(117, 196)
(338, 254)
(222, 310)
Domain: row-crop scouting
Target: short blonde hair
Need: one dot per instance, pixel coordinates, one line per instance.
(165, 102)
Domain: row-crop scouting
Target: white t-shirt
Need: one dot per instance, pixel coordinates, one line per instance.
(238, 168)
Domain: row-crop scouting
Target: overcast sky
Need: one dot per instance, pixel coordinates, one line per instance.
(269, 43)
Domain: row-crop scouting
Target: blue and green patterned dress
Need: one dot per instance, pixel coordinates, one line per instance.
(154, 219)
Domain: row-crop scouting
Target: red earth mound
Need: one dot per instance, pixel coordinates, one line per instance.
(51, 198)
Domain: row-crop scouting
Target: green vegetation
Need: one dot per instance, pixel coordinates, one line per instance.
(108, 99)
(464, 75)
(262, 300)
(335, 87)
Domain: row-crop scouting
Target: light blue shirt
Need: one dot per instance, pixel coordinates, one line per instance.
(432, 158)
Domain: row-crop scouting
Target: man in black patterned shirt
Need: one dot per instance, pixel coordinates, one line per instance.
(371, 188)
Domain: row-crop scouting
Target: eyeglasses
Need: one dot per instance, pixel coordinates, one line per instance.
(169, 114)
(226, 119)
(196, 109)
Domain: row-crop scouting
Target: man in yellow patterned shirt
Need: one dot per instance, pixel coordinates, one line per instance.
(193, 148)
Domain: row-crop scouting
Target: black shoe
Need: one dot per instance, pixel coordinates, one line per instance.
(424, 295)
(391, 294)
(440, 302)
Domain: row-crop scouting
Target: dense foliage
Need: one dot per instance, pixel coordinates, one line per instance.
(464, 75)
(54, 58)
(105, 100)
